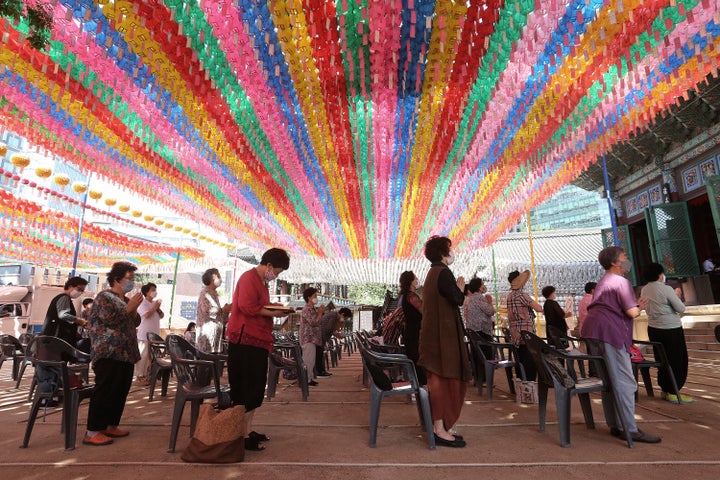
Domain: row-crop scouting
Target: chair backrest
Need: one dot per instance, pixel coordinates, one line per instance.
(537, 348)
(11, 346)
(377, 363)
(190, 373)
(154, 337)
(25, 338)
(49, 352)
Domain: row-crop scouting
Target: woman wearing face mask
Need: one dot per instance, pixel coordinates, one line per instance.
(310, 331)
(211, 315)
(150, 315)
(478, 309)
(250, 338)
(412, 309)
(61, 319)
(112, 327)
(665, 326)
(443, 353)
(609, 328)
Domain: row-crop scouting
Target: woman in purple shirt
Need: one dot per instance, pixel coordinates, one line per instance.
(610, 321)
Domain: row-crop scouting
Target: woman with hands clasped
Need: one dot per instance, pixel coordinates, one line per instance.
(112, 322)
(211, 315)
(443, 353)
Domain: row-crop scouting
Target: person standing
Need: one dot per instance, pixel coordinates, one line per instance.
(665, 326)
(521, 310)
(150, 315)
(310, 332)
(412, 306)
(610, 322)
(584, 303)
(250, 338)
(478, 309)
(555, 316)
(443, 353)
(61, 319)
(112, 323)
(211, 316)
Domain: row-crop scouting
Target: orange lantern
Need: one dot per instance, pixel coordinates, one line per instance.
(136, 213)
(62, 180)
(148, 218)
(177, 228)
(168, 225)
(124, 208)
(3, 149)
(159, 221)
(79, 187)
(43, 172)
(110, 202)
(202, 237)
(95, 194)
(194, 234)
(186, 230)
(20, 160)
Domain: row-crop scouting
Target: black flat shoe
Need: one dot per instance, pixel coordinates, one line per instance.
(260, 437)
(253, 445)
(449, 443)
(458, 437)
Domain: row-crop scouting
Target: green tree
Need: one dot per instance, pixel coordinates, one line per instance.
(368, 294)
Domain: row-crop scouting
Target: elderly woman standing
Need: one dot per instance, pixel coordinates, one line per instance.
(211, 316)
(250, 338)
(521, 310)
(442, 347)
(112, 323)
(665, 326)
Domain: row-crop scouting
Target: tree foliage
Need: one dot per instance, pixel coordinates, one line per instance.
(368, 294)
(38, 15)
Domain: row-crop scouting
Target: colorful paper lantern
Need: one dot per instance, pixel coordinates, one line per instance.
(20, 160)
(136, 213)
(3, 149)
(43, 172)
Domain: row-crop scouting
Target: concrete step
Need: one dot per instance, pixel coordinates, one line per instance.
(715, 347)
(704, 354)
(694, 337)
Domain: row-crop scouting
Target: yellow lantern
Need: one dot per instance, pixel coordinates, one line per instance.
(79, 187)
(110, 202)
(202, 237)
(168, 225)
(194, 234)
(95, 194)
(159, 221)
(62, 180)
(43, 172)
(124, 208)
(20, 160)
(148, 218)
(136, 213)
(177, 228)
(3, 149)
(186, 230)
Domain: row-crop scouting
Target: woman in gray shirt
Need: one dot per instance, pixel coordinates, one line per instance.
(664, 326)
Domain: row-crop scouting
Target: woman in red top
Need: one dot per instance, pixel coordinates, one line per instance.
(250, 338)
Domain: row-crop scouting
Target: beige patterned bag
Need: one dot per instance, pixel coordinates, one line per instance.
(219, 436)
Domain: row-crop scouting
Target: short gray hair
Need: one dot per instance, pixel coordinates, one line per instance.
(609, 255)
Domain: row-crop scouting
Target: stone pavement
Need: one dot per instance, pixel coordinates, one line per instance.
(327, 437)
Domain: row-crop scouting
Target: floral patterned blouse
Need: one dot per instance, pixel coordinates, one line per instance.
(209, 308)
(310, 327)
(112, 328)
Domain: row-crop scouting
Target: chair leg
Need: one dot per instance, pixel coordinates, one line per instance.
(165, 374)
(303, 382)
(542, 405)
(423, 402)
(375, 402)
(153, 381)
(72, 404)
(34, 409)
(33, 386)
(647, 380)
(562, 405)
(194, 413)
(20, 374)
(587, 409)
(177, 417)
(489, 380)
(511, 381)
(273, 378)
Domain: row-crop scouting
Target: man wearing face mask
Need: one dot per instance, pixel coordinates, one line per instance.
(150, 315)
(61, 319)
(112, 326)
(608, 329)
(250, 338)
(211, 315)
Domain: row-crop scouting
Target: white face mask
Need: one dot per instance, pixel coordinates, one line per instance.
(75, 293)
(313, 301)
(217, 282)
(451, 258)
(152, 295)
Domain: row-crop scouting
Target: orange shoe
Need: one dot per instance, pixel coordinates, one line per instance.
(115, 432)
(97, 440)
